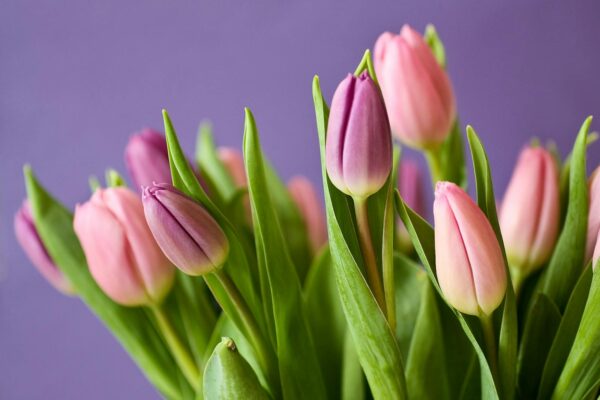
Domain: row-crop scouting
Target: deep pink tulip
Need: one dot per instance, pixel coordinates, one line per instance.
(593, 229)
(233, 161)
(29, 239)
(417, 91)
(410, 186)
(530, 212)
(147, 158)
(469, 262)
(305, 196)
(359, 144)
(184, 230)
(122, 255)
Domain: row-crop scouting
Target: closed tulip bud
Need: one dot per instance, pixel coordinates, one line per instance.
(234, 163)
(593, 229)
(417, 91)
(530, 212)
(29, 239)
(122, 255)
(184, 230)
(147, 158)
(410, 186)
(469, 262)
(304, 195)
(596, 256)
(359, 144)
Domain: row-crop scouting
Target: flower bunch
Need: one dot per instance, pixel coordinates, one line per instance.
(223, 282)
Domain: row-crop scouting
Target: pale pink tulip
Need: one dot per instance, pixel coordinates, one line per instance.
(530, 212)
(417, 91)
(234, 163)
(305, 196)
(593, 229)
(121, 253)
(469, 262)
(596, 256)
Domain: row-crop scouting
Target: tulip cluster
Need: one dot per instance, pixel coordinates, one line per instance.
(223, 282)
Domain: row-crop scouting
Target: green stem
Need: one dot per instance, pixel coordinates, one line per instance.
(366, 245)
(490, 344)
(182, 357)
(434, 160)
(263, 351)
(518, 278)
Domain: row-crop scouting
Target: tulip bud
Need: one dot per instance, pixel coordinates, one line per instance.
(122, 255)
(147, 158)
(596, 256)
(304, 195)
(29, 239)
(417, 91)
(359, 145)
(469, 262)
(410, 186)
(234, 163)
(593, 229)
(184, 230)
(530, 212)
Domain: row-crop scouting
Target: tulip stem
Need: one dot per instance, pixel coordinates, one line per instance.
(434, 160)
(255, 336)
(182, 357)
(490, 344)
(366, 245)
(518, 278)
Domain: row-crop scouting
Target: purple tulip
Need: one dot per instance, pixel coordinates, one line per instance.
(29, 239)
(359, 143)
(410, 186)
(184, 230)
(468, 259)
(147, 158)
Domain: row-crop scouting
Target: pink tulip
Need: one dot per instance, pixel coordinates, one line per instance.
(305, 196)
(29, 239)
(147, 158)
(234, 163)
(596, 256)
(417, 91)
(593, 229)
(122, 255)
(530, 212)
(410, 186)
(469, 262)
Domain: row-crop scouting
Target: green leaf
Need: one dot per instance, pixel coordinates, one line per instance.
(214, 173)
(114, 179)
(353, 379)
(94, 183)
(298, 365)
(366, 64)
(423, 240)
(387, 243)
(538, 334)
(131, 326)
(567, 261)
(435, 44)
(229, 376)
(581, 374)
(376, 346)
(508, 341)
(563, 340)
(327, 322)
(452, 157)
(426, 366)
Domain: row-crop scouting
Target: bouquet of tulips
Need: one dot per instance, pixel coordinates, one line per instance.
(222, 282)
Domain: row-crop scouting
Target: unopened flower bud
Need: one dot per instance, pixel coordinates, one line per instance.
(359, 144)
(530, 213)
(147, 158)
(417, 91)
(305, 196)
(234, 163)
(184, 230)
(593, 228)
(121, 253)
(410, 186)
(29, 239)
(469, 262)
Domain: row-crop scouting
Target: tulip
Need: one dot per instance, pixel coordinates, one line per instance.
(469, 262)
(410, 186)
(530, 214)
(359, 147)
(596, 256)
(184, 230)
(147, 158)
(234, 163)
(29, 239)
(305, 196)
(417, 91)
(122, 255)
(593, 228)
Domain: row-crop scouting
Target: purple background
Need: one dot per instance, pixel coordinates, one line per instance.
(76, 78)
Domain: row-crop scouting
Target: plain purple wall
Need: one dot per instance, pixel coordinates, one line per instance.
(77, 78)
